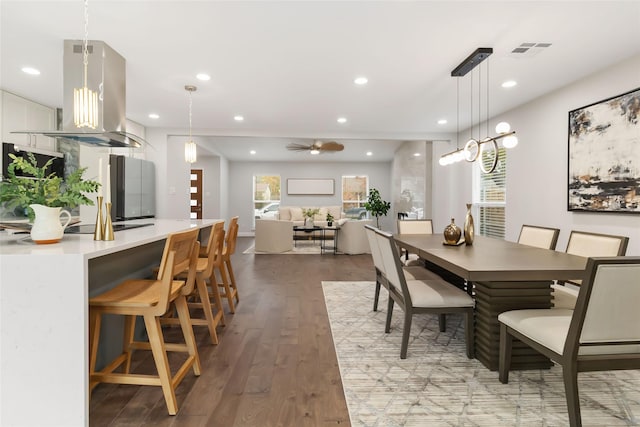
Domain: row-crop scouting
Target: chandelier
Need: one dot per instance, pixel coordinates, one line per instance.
(474, 148)
(190, 151)
(85, 101)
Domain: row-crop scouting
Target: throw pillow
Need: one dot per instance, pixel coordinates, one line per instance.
(284, 213)
(336, 211)
(321, 215)
(296, 214)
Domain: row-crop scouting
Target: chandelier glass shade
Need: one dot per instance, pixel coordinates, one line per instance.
(190, 148)
(190, 152)
(85, 100)
(474, 148)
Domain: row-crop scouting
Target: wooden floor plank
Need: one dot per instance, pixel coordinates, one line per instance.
(275, 364)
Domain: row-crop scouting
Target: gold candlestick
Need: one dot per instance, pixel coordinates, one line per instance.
(98, 233)
(108, 225)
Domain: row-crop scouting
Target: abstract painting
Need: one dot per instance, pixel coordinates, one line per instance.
(604, 155)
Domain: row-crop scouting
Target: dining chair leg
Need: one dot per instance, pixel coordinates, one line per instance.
(231, 289)
(187, 331)
(504, 361)
(156, 341)
(94, 339)
(203, 294)
(214, 291)
(127, 340)
(227, 288)
(570, 376)
(376, 296)
(469, 334)
(442, 322)
(406, 332)
(387, 326)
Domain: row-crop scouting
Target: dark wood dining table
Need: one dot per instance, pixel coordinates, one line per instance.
(502, 276)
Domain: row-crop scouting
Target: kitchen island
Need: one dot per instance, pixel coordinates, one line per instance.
(44, 293)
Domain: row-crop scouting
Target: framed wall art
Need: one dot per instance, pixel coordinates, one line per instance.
(604, 155)
(316, 187)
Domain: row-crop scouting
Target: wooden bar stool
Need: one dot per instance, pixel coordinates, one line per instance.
(226, 272)
(203, 297)
(150, 299)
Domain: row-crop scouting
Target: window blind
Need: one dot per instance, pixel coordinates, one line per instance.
(491, 196)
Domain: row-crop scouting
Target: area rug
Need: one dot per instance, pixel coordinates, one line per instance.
(436, 385)
(301, 248)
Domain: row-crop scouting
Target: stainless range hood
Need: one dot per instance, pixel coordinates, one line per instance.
(106, 74)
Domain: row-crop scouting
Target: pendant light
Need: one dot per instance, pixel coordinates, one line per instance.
(85, 101)
(190, 151)
(474, 147)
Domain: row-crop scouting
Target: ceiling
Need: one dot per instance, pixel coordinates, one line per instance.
(289, 67)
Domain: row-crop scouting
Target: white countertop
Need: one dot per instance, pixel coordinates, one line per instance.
(83, 244)
(44, 295)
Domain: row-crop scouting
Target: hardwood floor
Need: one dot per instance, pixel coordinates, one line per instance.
(275, 364)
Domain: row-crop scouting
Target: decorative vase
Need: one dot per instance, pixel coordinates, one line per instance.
(308, 222)
(330, 223)
(468, 226)
(47, 227)
(452, 233)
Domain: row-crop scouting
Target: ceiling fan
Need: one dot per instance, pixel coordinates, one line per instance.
(317, 147)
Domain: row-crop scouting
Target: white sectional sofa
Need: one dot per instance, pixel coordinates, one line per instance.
(276, 235)
(296, 214)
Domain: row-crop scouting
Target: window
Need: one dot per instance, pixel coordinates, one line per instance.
(266, 196)
(355, 190)
(489, 195)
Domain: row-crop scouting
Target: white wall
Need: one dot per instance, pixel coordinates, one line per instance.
(241, 174)
(414, 174)
(537, 167)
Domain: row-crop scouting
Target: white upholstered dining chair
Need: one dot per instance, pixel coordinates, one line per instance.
(421, 296)
(586, 244)
(410, 272)
(540, 237)
(414, 226)
(602, 333)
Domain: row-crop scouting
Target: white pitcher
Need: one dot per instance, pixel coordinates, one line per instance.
(47, 227)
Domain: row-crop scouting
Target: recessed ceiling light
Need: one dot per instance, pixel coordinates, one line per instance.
(154, 116)
(31, 71)
(416, 154)
(369, 153)
(361, 81)
(204, 77)
(238, 118)
(342, 120)
(442, 121)
(509, 83)
(252, 152)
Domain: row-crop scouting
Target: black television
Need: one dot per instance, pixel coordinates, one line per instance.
(56, 167)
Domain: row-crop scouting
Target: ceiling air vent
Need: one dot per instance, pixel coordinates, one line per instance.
(527, 50)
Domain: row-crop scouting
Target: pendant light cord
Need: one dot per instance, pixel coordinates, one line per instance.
(85, 47)
(190, 108)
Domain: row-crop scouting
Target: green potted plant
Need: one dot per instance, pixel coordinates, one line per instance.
(376, 206)
(45, 193)
(46, 189)
(329, 219)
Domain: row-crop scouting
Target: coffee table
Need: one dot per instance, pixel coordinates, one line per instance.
(317, 234)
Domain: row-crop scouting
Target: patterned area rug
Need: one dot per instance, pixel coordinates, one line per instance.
(300, 248)
(438, 386)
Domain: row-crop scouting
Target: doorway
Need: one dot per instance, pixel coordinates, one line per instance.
(196, 194)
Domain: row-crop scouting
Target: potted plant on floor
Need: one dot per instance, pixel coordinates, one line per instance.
(42, 196)
(376, 206)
